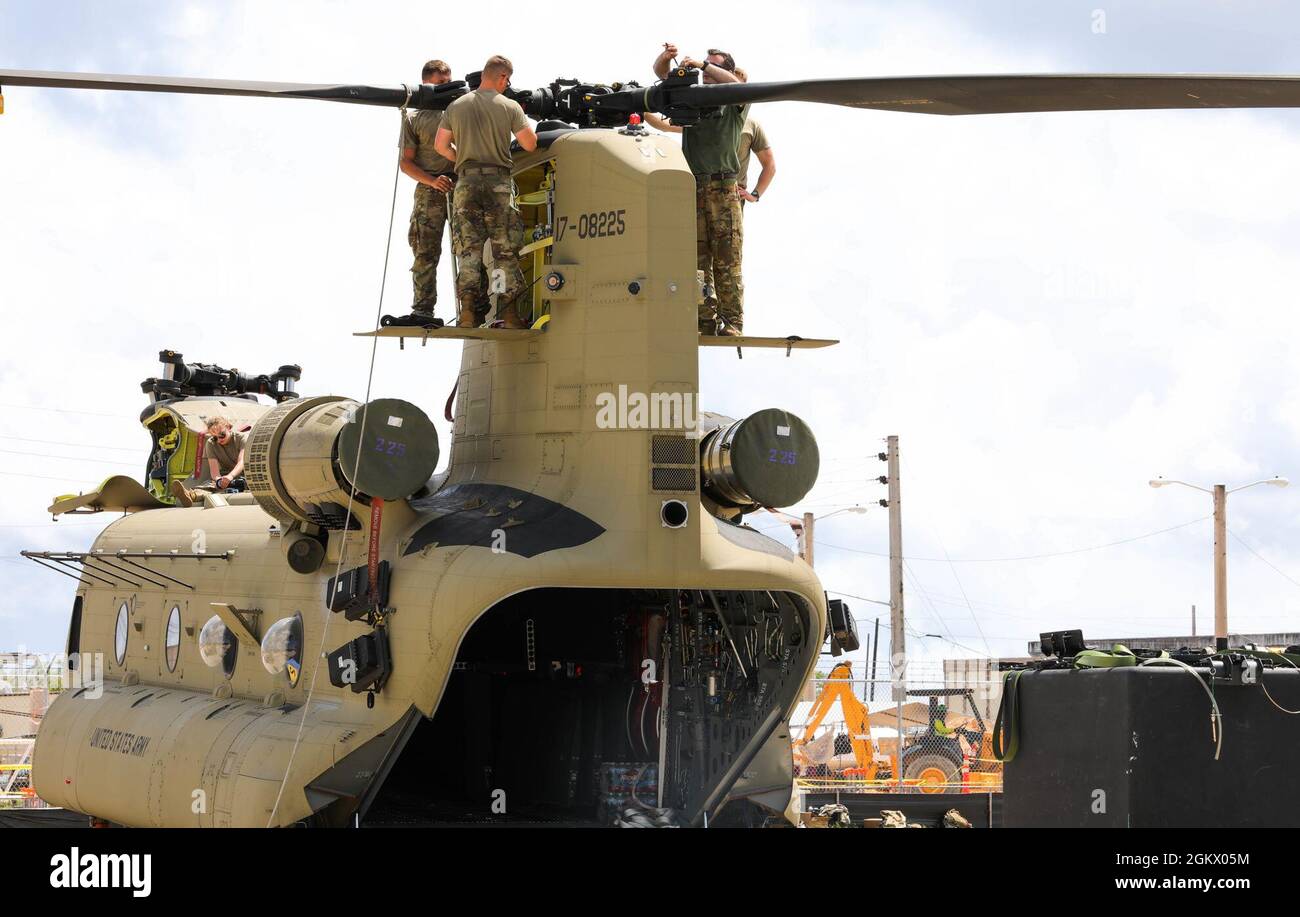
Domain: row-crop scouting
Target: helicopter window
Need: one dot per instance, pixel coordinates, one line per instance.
(282, 647)
(119, 634)
(172, 638)
(218, 646)
(74, 635)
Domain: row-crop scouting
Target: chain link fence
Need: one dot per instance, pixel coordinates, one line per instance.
(16, 775)
(28, 682)
(928, 731)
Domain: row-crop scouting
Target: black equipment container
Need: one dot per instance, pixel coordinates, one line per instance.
(1133, 747)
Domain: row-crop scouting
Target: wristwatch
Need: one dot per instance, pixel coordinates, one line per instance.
(755, 193)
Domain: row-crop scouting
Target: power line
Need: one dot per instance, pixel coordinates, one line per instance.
(40, 407)
(54, 442)
(921, 636)
(1279, 572)
(934, 611)
(70, 458)
(860, 598)
(953, 568)
(991, 560)
(43, 477)
(951, 600)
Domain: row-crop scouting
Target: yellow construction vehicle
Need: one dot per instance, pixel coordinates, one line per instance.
(941, 759)
(871, 764)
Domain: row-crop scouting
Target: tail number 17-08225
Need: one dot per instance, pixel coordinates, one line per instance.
(597, 225)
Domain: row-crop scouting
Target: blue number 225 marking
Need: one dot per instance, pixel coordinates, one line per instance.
(390, 447)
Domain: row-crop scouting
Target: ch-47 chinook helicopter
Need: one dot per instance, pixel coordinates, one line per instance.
(354, 635)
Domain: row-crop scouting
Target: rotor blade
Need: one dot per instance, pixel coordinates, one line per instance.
(421, 96)
(986, 95)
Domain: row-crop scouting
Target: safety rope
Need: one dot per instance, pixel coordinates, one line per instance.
(1216, 728)
(1006, 725)
(343, 545)
(1120, 655)
(1264, 687)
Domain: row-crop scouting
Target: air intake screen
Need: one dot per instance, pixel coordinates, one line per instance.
(673, 450)
(673, 478)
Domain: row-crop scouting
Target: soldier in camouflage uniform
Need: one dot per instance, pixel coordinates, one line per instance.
(710, 150)
(718, 247)
(486, 229)
(433, 175)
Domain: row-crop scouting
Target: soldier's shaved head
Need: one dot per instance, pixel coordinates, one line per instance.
(497, 66)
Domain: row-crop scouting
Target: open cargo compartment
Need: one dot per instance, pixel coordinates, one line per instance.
(562, 701)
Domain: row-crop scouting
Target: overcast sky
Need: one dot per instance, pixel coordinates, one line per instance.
(1047, 309)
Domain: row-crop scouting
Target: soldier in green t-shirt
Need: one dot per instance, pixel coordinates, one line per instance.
(433, 176)
(753, 139)
(710, 148)
(475, 135)
(223, 451)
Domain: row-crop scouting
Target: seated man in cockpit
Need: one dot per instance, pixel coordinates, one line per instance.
(224, 451)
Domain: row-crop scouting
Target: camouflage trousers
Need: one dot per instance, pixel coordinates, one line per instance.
(718, 240)
(486, 234)
(428, 217)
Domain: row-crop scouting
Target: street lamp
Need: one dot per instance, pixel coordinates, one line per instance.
(1220, 494)
(847, 509)
(803, 528)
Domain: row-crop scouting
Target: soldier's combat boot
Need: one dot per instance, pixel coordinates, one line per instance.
(730, 328)
(510, 318)
(468, 318)
(414, 320)
(182, 495)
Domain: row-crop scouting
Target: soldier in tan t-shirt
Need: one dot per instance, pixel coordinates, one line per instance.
(433, 176)
(475, 134)
(753, 139)
(223, 450)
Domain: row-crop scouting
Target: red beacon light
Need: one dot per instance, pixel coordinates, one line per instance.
(633, 119)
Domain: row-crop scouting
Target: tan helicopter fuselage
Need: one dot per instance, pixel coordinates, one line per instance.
(545, 505)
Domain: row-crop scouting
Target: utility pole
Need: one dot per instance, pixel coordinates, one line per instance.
(1221, 566)
(897, 637)
(1193, 620)
(808, 521)
(1220, 494)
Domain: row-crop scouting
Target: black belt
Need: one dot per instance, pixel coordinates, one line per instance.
(485, 167)
(717, 176)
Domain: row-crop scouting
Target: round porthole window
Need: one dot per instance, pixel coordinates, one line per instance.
(282, 648)
(120, 632)
(218, 646)
(172, 638)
